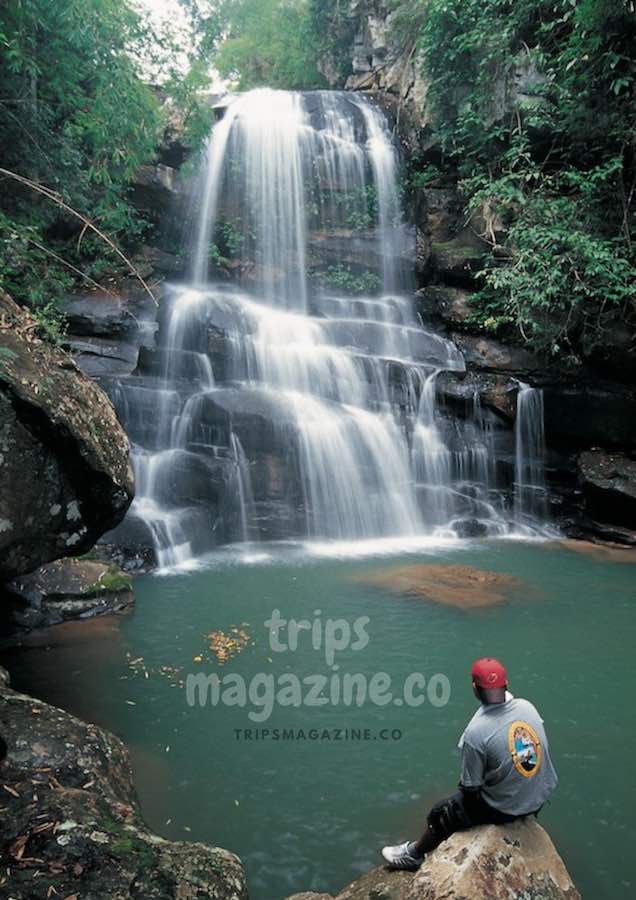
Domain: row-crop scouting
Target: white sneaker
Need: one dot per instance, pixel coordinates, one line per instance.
(403, 856)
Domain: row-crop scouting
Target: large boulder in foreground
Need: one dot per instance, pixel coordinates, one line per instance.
(65, 475)
(71, 826)
(497, 862)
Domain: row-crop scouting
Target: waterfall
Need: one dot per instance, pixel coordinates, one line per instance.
(530, 501)
(298, 399)
(244, 491)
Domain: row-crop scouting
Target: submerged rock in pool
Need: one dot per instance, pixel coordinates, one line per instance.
(70, 817)
(461, 586)
(599, 552)
(497, 862)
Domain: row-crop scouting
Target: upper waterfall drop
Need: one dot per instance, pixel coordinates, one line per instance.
(281, 163)
(299, 400)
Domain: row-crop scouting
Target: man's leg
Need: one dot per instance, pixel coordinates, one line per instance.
(461, 810)
(445, 817)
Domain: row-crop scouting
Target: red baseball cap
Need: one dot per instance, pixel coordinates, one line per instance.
(489, 673)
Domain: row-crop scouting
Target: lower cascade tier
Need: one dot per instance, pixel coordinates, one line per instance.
(251, 423)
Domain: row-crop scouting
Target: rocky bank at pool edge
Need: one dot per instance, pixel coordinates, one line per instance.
(69, 818)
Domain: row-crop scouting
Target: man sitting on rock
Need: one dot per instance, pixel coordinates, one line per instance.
(506, 770)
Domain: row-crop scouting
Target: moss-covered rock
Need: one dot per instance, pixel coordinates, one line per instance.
(68, 589)
(65, 475)
(71, 823)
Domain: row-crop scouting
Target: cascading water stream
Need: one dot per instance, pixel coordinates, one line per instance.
(243, 487)
(285, 407)
(530, 501)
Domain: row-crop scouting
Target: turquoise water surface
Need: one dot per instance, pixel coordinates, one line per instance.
(310, 813)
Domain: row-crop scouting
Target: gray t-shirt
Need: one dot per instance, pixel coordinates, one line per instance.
(505, 753)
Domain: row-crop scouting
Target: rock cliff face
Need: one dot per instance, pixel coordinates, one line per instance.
(588, 411)
(384, 58)
(65, 476)
(512, 862)
(71, 826)
(588, 406)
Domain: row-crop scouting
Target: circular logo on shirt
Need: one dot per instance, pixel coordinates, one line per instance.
(525, 748)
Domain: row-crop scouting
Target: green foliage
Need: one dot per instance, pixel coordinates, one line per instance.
(354, 209)
(188, 94)
(425, 177)
(112, 580)
(560, 284)
(51, 322)
(535, 106)
(78, 118)
(289, 44)
(342, 278)
(264, 43)
(332, 29)
(230, 241)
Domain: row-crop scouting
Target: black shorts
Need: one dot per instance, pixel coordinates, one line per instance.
(464, 810)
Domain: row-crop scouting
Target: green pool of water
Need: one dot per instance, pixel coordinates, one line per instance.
(312, 813)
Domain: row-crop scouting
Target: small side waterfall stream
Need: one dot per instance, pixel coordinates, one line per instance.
(299, 401)
(530, 501)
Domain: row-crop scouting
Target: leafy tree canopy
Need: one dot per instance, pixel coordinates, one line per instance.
(78, 118)
(535, 106)
(273, 43)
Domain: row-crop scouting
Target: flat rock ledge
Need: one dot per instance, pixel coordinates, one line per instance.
(492, 862)
(66, 589)
(70, 825)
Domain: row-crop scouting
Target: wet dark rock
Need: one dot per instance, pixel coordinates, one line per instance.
(583, 528)
(457, 261)
(609, 487)
(616, 356)
(357, 250)
(154, 190)
(105, 332)
(439, 212)
(100, 357)
(470, 528)
(67, 589)
(447, 249)
(482, 352)
(130, 546)
(583, 412)
(497, 392)
(105, 315)
(263, 420)
(65, 476)
(72, 816)
(449, 304)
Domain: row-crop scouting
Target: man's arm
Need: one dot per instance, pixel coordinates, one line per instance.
(471, 778)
